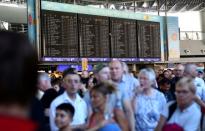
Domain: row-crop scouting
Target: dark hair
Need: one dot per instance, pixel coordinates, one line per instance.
(69, 71)
(18, 66)
(55, 81)
(104, 88)
(67, 107)
(164, 81)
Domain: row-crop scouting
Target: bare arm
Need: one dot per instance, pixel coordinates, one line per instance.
(130, 114)
(121, 119)
(161, 123)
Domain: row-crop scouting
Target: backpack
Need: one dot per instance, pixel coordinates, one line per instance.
(172, 108)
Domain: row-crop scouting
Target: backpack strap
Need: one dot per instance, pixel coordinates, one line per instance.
(172, 108)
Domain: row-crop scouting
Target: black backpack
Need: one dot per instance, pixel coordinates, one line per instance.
(172, 108)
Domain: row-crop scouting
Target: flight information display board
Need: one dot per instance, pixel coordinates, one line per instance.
(148, 39)
(69, 37)
(59, 34)
(94, 36)
(123, 38)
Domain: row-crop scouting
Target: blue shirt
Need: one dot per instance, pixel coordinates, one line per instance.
(148, 109)
(127, 86)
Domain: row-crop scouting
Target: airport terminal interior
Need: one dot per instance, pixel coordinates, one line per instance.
(103, 65)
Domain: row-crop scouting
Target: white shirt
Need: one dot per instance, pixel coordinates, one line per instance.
(188, 119)
(39, 94)
(79, 104)
(148, 110)
(200, 88)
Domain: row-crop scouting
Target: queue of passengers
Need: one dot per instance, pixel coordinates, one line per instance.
(112, 99)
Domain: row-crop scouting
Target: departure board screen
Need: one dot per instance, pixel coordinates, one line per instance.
(148, 39)
(94, 36)
(59, 34)
(71, 36)
(123, 38)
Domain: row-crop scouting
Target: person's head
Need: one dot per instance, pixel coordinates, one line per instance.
(85, 74)
(71, 81)
(160, 70)
(64, 115)
(166, 74)
(147, 78)
(116, 70)
(99, 93)
(200, 74)
(56, 83)
(179, 70)
(190, 70)
(165, 84)
(102, 72)
(185, 91)
(44, 81)
(18, 79)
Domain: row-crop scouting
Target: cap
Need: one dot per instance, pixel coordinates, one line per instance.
(99, 67)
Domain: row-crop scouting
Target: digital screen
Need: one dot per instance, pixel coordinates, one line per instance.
(123, 38)
(148, 39)
(61, 68)
(68, 37)
(59, 34)
(94, 36)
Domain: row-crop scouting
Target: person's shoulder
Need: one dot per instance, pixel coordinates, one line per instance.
(194, 107)
(81, 100)
(51, 90)
(159, 94)
(58, 99)
(194, 111)
(197, 79)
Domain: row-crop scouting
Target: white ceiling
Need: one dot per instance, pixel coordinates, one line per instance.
(13, 14)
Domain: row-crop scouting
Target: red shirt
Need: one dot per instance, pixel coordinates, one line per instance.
(16, 124)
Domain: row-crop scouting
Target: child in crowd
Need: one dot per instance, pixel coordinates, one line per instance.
(64, 116)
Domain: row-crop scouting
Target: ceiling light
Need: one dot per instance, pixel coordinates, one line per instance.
(155, 4)
(145, 5)
(112, 6)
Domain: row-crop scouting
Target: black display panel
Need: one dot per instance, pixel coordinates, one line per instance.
(148, 39)
(123, 38)
(70, 37)
(93, 36)
(59, 34)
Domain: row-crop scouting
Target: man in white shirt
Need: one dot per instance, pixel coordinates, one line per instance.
(71, 83)
(185, 112)
(190, 71)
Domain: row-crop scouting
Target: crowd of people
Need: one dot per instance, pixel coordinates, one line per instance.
(113, 99)
(109, 100)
